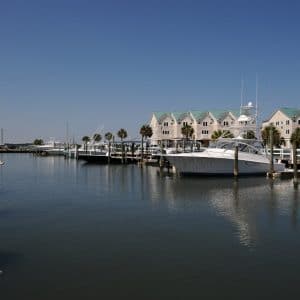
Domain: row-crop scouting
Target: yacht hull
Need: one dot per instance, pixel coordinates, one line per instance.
(97, 158)
(219, 166)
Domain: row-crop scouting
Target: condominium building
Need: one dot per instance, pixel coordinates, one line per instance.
(286, 120)
(167, 126)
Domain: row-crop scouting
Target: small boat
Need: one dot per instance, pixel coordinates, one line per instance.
(1, 163)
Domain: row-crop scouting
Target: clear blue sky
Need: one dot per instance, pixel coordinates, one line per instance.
(111, 63)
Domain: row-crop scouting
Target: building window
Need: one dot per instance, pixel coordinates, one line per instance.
(204, 123)
(299, 122)
(204, 131)
(287, 131)
(225, 123)
(277, 123)
(166, 124)
(287, 122)
(185, 123)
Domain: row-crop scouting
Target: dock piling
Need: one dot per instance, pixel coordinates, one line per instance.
(295, 166)
(236, 161)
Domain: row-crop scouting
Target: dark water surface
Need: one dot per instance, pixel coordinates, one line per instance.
(70, 230)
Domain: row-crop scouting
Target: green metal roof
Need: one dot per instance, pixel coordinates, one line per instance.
(198, 114)
(160, 114)
(179, 115)
(290, 112)
(219, 114)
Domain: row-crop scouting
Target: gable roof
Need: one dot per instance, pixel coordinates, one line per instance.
(198, 114)
(220, 114)
(290, 112)
(160, 115)
(180, 115)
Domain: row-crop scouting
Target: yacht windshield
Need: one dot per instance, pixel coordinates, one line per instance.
(244, 145)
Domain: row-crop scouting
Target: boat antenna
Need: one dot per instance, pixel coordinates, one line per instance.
(67, 132)
(256, 105)
(242, 95)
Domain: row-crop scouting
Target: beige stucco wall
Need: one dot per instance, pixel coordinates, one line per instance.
(280, 121)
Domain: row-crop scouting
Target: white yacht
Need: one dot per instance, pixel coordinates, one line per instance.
(52, 148)
(219, 158)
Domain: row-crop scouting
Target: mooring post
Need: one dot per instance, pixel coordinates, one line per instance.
(161, 160)
(295, 166)
(271, 172)
(236, 161)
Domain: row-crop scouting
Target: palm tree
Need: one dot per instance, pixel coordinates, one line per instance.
(249, 135)
(266, 136)
(221, 133)
(85, 140)
(295, 140)
(122, 134)
(108, 137)
(145, 131)
(187, 131)
(97, 138)
(271, 137)
(295, 137)
(38, 142)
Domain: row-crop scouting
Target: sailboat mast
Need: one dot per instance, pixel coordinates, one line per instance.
(256, 106)
(242, 95)
(67, 133)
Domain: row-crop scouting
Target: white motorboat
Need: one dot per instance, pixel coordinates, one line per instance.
(1, 163)
(52, 148)
(219, 159)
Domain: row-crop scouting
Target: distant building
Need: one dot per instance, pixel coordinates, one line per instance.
(286, 120)
(167, 126)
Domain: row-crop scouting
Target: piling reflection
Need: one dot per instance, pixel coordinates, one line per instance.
(249, 204)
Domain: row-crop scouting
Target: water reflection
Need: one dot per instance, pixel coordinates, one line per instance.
(295, 208)
(249, 204)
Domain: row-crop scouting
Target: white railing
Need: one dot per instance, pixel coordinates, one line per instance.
(283, 154)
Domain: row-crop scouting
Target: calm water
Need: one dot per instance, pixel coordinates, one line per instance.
(75, 231)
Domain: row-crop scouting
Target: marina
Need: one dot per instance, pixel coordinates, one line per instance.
(149, 150)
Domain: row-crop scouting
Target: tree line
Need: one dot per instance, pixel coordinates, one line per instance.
(187, 131)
